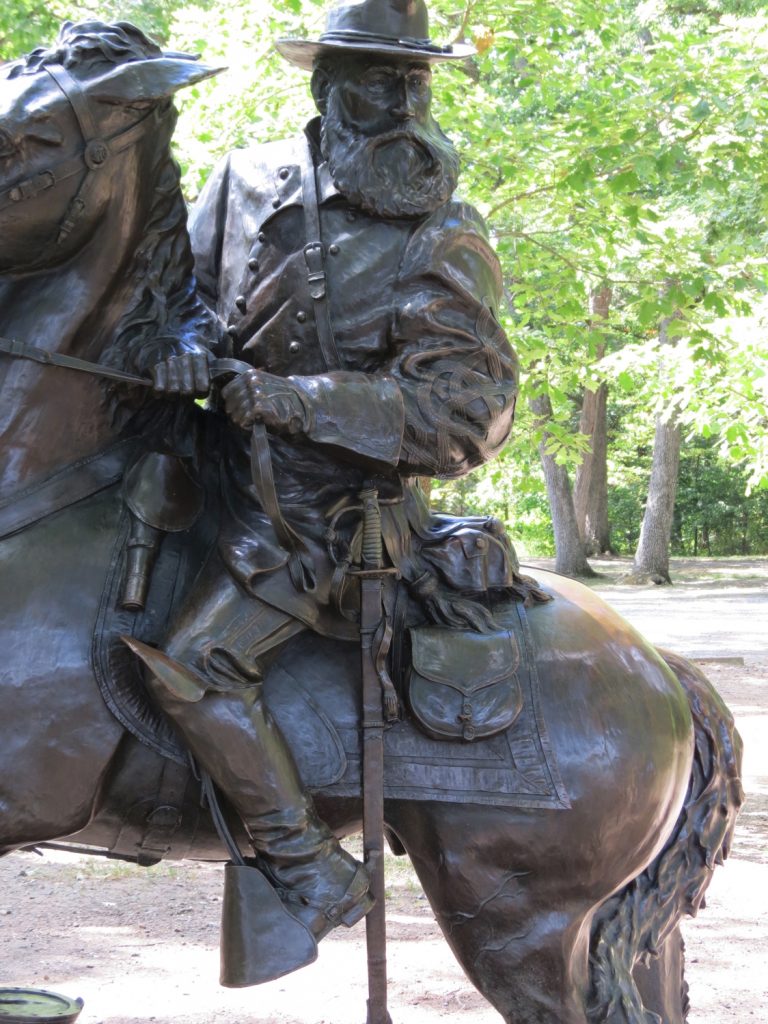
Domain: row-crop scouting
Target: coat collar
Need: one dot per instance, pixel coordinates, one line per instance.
(286, 178)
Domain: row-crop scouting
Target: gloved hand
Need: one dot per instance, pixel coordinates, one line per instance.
(185, 374)
(260, 397)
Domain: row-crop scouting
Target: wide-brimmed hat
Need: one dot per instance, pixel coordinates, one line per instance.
(397, 29)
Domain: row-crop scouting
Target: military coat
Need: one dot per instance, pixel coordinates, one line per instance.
(426, 384)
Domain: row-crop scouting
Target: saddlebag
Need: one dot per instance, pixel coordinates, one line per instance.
(471, 554)
(462, 685)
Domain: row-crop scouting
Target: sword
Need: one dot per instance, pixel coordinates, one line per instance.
(379, 706)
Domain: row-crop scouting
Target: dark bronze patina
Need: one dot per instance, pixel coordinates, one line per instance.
(535, 758)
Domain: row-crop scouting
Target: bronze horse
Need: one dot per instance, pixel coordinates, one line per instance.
(549, 911)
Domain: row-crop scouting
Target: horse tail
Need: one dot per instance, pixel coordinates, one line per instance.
(632, 926)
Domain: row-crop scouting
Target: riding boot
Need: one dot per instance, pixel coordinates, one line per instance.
(234, 738)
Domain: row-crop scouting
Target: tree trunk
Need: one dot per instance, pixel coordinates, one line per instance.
(570, 559)
(590, 494)
(651, 563)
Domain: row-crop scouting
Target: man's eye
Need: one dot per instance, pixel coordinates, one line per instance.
(7, 145)
(418, 82)
(378, 84)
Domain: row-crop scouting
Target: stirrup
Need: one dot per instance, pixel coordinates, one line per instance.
(260, 939)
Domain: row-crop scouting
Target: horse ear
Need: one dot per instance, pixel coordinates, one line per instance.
(148, 81)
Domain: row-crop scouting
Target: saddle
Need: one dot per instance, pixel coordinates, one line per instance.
(464, 735)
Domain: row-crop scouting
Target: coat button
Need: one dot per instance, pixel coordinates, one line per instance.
(301, 316)
(240, 303)
(253, 264)
(294, 348)
(262, 237)
(283, 172)
(277, 203)
(232, 332)
(333, 249)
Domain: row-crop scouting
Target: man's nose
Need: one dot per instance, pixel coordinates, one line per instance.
(404, 108)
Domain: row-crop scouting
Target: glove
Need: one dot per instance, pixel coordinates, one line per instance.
(185, 374)
(256, 396)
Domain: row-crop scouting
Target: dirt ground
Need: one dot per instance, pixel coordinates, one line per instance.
(141, 944)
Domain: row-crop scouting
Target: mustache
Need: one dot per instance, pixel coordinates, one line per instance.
(406, 170)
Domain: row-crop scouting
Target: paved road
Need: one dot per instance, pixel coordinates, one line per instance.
(725, 616)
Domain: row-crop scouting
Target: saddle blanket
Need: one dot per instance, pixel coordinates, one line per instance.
(313, 691)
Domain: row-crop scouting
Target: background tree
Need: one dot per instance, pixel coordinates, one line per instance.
(590, 492)
(613, 146)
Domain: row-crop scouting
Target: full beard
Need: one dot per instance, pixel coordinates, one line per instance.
(406, 172)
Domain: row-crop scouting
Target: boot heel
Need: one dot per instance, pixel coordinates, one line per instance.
(358, 899)
(358, 911)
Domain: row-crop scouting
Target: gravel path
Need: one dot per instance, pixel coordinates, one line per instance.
(717, 608)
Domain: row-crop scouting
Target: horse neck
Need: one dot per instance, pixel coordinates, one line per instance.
(50, 416)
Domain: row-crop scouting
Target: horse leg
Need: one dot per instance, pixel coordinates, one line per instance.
(518, 928)
(661, 983)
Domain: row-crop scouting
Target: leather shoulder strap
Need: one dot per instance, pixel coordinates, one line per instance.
(314, 254)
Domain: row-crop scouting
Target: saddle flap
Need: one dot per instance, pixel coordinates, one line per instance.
(462, 684)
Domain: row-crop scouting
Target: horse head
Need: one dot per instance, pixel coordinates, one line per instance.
(71, 118)
(95, 259)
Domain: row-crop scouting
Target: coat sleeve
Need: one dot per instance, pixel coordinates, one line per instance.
(443, 402)
(456, 370)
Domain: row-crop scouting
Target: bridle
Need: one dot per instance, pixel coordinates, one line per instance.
(96, 152)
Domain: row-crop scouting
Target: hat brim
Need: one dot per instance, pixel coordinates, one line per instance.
(303, 52)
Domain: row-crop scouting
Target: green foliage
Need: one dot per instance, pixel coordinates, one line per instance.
(25, 24)
(617, 142)
(712, 515)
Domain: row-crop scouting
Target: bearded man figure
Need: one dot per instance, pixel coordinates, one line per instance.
(364, 297)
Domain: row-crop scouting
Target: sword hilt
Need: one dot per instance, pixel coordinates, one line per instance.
(372, 545)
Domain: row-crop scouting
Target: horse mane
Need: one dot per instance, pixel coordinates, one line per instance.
(165, 316)
(88, 45)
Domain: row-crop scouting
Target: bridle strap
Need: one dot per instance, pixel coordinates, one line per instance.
(75, 93)
(96, 153)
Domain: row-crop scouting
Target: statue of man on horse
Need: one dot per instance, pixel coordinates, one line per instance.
(584, 784)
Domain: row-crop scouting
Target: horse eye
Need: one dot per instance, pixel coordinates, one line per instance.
(7, 145)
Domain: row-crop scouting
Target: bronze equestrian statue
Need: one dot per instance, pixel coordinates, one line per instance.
(540, 763)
